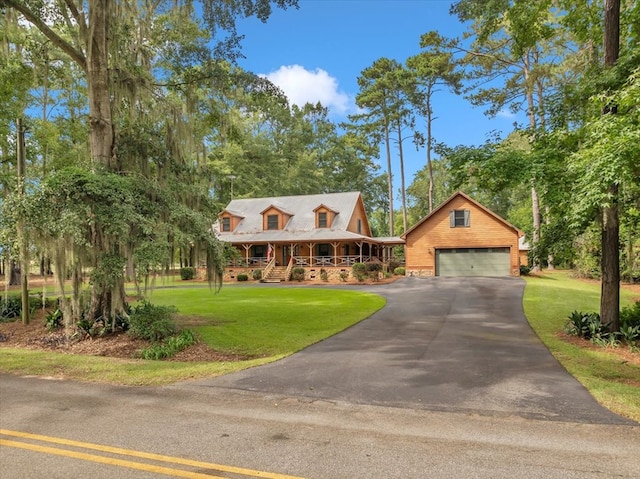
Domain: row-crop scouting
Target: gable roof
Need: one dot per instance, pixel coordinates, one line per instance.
(302, 224)
(471, 200)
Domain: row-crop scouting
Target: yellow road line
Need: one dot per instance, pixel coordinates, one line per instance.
(133, 453)
(107, 460)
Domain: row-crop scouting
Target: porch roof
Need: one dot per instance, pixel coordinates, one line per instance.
(320, 235)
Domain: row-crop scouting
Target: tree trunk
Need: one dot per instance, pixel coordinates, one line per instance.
(535, 209)
(610, 262)
(101, 128)
(429, 146)
(402, 182)
(14, 273)
(389, 180)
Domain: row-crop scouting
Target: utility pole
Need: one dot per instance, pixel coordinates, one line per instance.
(24, 253)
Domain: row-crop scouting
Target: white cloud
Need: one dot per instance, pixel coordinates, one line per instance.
(304, 86)
(506, 114)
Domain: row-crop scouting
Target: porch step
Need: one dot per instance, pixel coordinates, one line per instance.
(277, 275)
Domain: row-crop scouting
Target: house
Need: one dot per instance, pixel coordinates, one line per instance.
(325, 232)
(462, 238)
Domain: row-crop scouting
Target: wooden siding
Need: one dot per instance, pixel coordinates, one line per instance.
(282, 217)
(359, 213)
(484, 231)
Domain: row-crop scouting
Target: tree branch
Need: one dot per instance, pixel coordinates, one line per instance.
(32, 18)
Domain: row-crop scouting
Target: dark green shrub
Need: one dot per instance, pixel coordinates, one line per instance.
(11, 308)
(373, 270)
(298, 273)
(324, 276)
(524, 270)
(630, 315)
(152, 322)
(392, 265)
(53, 320)
(359, 271)
(187, 273)
(169, 346)
(257, 274)
(242, 277)
(399, 271)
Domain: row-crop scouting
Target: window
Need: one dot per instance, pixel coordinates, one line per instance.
(259, 251)
(459, 218)
(359, 227)
(322, 219)
(226, 224)
(323, 249)
(272, 222)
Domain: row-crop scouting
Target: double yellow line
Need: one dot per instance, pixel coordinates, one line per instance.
(32, 439)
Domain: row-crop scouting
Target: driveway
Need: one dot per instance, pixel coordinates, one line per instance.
(442, 344)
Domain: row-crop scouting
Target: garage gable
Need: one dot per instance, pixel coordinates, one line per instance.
(462, 238)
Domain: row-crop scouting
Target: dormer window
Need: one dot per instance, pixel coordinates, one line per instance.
(272, 222)
(226, 223)
(322, 219)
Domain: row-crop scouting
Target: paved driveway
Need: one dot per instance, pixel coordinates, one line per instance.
(448, 344)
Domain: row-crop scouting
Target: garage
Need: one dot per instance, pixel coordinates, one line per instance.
(473, 262)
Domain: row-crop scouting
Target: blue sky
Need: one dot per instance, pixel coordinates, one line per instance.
(317, 52)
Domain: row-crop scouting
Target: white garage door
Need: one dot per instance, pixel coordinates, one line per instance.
(473, 262)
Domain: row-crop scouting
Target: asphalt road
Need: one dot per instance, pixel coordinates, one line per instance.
(442, 344)
(447, 381)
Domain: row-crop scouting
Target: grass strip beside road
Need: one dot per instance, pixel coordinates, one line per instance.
(262, 322)
(548, 300)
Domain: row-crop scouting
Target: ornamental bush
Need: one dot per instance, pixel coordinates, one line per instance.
(152, 322)
(298, 273)
(257, 274)
(242, 277)
(187, 273)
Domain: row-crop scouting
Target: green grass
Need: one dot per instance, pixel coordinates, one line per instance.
(269, 321)
(263, 323)
(548, 300)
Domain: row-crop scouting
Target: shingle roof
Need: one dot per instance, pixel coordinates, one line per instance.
(300, 227)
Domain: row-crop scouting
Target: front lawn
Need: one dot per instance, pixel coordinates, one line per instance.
(610, 378)
(263, 323)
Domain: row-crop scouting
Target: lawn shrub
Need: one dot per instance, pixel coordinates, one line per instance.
(630, 315)
(359, 271)
(53, 320)
(12, 307)
(152, 322)
(399, 271)
(373, 270)
(392, 265)
(187, 273)
(324, 276)
(298, 273)
(257, 274)
(170, 346)
(524, 270)
(242, 277)
(344, 276)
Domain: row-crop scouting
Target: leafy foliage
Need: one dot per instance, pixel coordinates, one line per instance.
(187, 273)
(152, 322)
(169, 346)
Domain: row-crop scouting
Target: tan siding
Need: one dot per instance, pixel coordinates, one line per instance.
(359, 214)
(485, 231)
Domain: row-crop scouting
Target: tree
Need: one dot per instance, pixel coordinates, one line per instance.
(521, 43)
(433, 67)
(113, 45)
(383, 95)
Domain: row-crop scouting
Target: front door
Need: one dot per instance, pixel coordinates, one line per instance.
(285, 255)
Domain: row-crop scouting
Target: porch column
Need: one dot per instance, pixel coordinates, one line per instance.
(246, 247)
(336, 246)
(311, 245)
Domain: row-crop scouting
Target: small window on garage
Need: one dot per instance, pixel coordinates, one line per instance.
(459, 218)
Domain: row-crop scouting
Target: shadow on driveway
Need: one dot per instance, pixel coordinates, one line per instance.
(444, 344)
